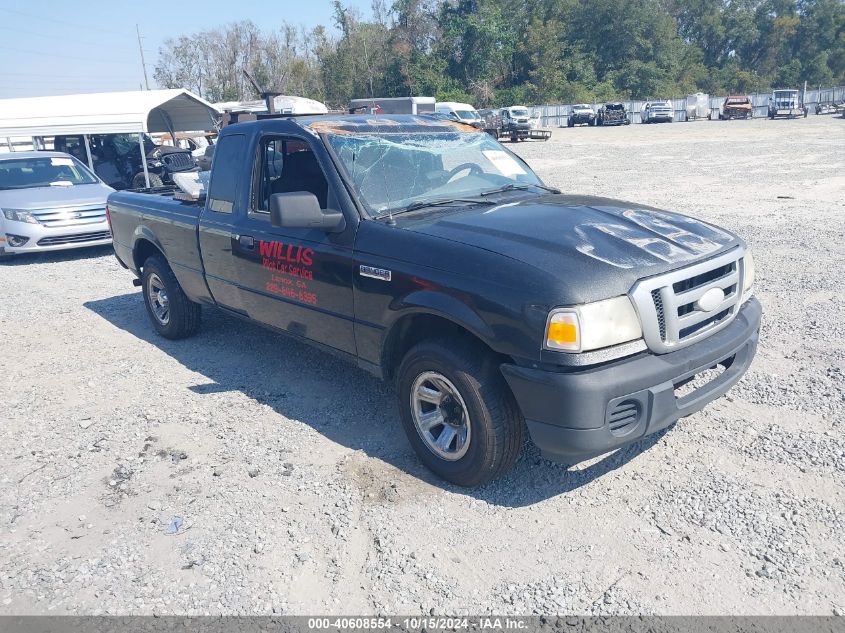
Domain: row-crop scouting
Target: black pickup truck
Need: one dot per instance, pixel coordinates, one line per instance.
(430, 255)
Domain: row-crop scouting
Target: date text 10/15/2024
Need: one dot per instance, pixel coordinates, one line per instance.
(419, 623)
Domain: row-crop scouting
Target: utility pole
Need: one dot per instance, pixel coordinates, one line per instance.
(143, 63)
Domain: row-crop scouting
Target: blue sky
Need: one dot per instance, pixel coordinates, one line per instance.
(48, 47)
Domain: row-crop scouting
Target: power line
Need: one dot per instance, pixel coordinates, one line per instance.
(4, 73)
(63, 56)
(47, 35)
(77, 25)
(60, 82)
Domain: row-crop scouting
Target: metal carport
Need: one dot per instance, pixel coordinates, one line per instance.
(136, 112)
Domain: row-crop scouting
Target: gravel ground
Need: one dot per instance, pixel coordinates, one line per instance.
(240, 472)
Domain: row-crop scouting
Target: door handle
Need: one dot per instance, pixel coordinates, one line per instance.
(246, 241)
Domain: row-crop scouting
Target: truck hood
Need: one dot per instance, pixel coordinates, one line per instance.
(168, 149)
(595, 246)
(35, 198)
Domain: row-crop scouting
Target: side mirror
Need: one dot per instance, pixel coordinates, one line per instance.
(301, 210)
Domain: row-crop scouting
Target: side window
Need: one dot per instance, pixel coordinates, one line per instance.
(228, 162)
(287, 165)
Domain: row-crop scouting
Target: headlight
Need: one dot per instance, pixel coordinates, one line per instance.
(748, 277)
(592, 326)
(19, 215)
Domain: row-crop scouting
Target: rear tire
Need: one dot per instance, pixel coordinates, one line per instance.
(138, 182)
(173, 315)
(481, 410)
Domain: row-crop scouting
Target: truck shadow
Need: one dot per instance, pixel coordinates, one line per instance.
(343, 403)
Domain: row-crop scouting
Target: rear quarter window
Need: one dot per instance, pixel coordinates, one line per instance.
(229, 157)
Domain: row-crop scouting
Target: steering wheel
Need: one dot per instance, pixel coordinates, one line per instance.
(474, 168)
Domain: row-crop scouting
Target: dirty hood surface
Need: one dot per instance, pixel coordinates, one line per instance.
(595, 246)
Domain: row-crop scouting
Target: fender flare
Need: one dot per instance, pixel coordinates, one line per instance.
(436, 304)
(145, 234)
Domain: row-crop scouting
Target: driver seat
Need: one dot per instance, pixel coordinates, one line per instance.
(302, 172)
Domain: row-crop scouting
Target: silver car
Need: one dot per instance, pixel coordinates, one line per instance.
(50, 201)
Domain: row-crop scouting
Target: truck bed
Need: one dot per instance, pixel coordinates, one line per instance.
(169, 224)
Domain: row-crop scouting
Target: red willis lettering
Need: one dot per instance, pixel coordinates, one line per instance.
(274, 254)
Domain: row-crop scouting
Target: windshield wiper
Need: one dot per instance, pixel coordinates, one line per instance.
(513, 187)
(422, 204)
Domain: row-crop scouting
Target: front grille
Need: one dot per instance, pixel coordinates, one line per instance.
(673, 308)
(70, 216)
(658, 309)
(79, 238)
(178, 161)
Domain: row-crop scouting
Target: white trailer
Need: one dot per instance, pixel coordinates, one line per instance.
(393, 105)
(698, 106)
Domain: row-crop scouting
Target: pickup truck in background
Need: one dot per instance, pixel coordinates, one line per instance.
(581, 114)
(431, 256)
(657, 112)
(736, 107)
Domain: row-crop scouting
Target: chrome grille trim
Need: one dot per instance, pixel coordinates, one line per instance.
(70, 216)
(671, 319)
(80, 238)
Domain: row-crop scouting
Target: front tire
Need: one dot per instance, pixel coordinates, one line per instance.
(173, 315)
(458, 412)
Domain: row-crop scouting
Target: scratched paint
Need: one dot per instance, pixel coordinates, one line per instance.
(654, 235)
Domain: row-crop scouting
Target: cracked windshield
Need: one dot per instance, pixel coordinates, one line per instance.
(402, 172)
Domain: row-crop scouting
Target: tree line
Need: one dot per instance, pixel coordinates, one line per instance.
(500, 52)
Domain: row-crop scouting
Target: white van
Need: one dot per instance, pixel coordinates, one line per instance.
(462, 112)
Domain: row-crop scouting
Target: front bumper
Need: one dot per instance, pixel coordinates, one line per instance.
(42, 238)
(737, 113)
(574, 415)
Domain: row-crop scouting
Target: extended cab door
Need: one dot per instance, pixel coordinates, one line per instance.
(298, 280)
(224, 203)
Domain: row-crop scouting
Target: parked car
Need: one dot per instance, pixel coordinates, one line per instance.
(461, 112)
(50, 201)
(581, 114)
(515, 122)
(612, 114)
(786, 103)
(657, 112)
(495, 304)
(736, 107)
(117, 159)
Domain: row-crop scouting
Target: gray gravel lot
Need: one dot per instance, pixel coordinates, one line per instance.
(240, 472)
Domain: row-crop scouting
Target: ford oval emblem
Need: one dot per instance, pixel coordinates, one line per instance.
(710, 300)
